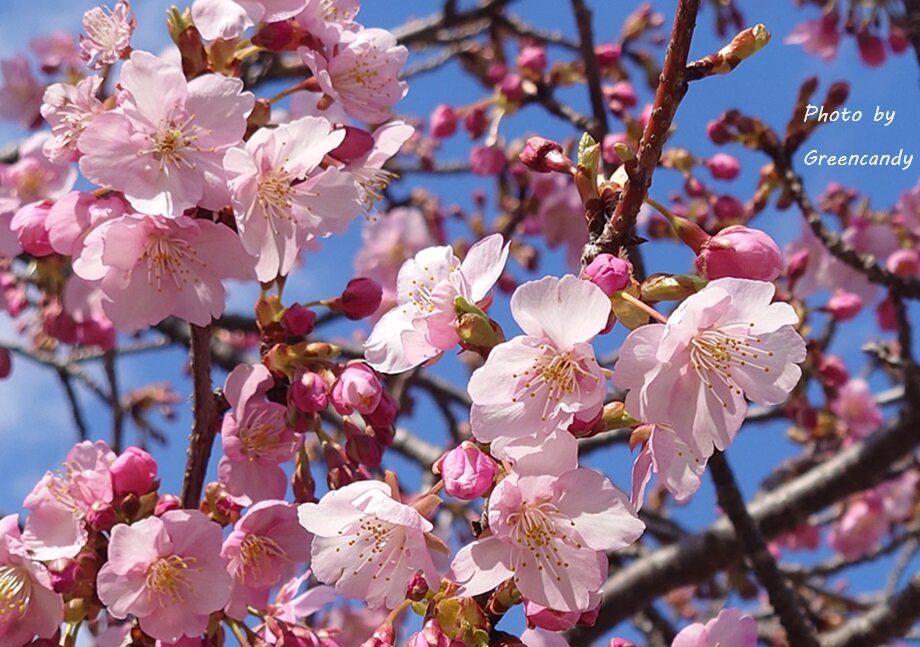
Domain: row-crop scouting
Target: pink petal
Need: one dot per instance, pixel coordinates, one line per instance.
(544, 309)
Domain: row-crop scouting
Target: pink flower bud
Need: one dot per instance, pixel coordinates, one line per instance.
(496, 72)
(298, 320)
(695, 188)
(544, 156)
(101, 516)
(588, 618)
(718, 132)
(364, 450)
(383, 416)
(609, 273)
(65, 573)
(871, 48)
(608, 150)
(833, 370)
(361, 298)
(417, 588)
(357, 143)
(843, 305)
(724, 166)
(443, 121)
(897, 38)
(358, 388)
(607, 54)
(276, 36)
(616, 641)
(6, 363)
(165, 503)
(549, 619)
(512, 88)
(904, 262)
(621, 95)
(466, 471)
(532, 59)
(134, 472)
(29, 226)
(742, 253)
(475, 122)
(728, 208)
(885, 315)
(487, 160)
(309, 392)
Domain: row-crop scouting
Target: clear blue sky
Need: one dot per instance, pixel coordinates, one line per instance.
(36, 430)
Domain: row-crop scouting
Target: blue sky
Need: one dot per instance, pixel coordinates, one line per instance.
(36, 425)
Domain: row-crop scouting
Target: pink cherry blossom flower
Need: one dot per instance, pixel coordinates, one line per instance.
(69, 109)
(20, 93)
(721, 344)
(280, 196)
(57, 49)
(83, 304)
(290, 606)
(538, 637)
(823, 271)
(265, 546)
(167, 572)
(230, 18)
(75, 215)
(856, 408)
(560, 216)
(819, 37)
(29, 225)
(422, 325)
(550, 527)
(368, 169)
(388, 241)
(33, 177)
(367, 544)
(860, 529)
(539, 381)
(255, 436)
(164, 144)
(328, 20)
(28, 605)
(108, 34)
(678, 465)
(59, 503)
(152, 267)
(362, 73)
(729, 628)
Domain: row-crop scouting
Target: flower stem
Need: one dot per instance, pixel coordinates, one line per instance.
(646, 308)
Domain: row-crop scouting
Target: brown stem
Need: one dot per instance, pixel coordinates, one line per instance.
(672, 86)
(592, 70)
(885, 621)
(75, 409)
(783, 598)
(118, 413)
(205, 417)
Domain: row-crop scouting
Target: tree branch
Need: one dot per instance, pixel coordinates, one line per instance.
(783, 598)
(885, 621)
(205, 417)
(592, 70)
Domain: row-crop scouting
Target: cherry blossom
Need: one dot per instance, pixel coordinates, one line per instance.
(362, 73)
(255, 436)
(59, 503)
(21, 93)
(537, 382)
(166, 571)
(28, 605)
(33, 177)
(551, 524)
(388, 241)
(367, 544)
(280, 195)
(855, 406)
(69, 109)
(421, 326)
(263, 549)
(368, 168)
(107, 34)
(728, 628)
(152, 267)
(679, 466)
(329, 19)
(57, 49)
(721, 344)
(164, 144)
(559, 216)
(230, 18)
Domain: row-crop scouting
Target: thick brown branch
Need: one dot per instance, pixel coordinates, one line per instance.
(672, 86)
(699, 556)
(783, 598)
(205, 417)
(888, 620)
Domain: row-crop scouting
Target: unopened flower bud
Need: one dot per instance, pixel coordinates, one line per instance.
(487, 160)
(357, 143)
(607, 54)
(309, 392)
(475, 122)
(134, 472)
(298, 321)
(718, 132)
(364, 450)
(728, 208)
(544, 156)
(512, 88)
(361, 298)
(382, 418)
(165, 503)
(833, 370)
(871, 48)
(466, 471)
(740, 252)
(417, 588)
(843, 305)
(724, 166)
(64, 574)
(608, 272)
(6, 363)
(532, 59)
(443, 121)
(357, 389)
(620, 96)
(276, 36)
(29, 226)
(616, 641)
(101, 516)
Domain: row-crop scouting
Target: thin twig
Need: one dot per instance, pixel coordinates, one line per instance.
(592, 69)
(205, 417)
(890, 619)
(75, 408)
(118, 413)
